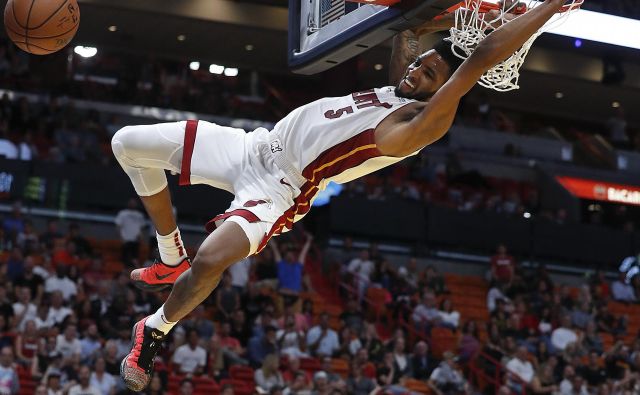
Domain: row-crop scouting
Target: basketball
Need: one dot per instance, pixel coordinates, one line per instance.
(41, 27)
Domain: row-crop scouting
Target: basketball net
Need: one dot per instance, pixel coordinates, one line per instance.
(473, 24)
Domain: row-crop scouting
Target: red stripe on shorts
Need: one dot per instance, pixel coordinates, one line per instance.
(189, 141)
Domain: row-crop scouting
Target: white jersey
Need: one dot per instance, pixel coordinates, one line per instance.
(333, 139)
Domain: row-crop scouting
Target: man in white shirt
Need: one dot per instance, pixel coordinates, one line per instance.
(621, 291)
(68, 345)
(521, 368)
(240, 273)
(493, 296)
(190, 358)
(23, 309)
(130, 222)
(426, 314)
(563, 335)
(60, 282)
(361, 269)
(84, 387)
(322, 340)
(57, 312)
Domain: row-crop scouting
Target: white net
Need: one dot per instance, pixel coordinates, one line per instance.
(476, 19)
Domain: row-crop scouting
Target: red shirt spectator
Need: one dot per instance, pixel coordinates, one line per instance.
(502, 265)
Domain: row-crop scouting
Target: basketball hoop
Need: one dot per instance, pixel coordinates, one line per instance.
(473, 24)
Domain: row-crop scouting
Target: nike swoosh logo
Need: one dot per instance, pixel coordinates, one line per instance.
(159, 277)
(282, 181)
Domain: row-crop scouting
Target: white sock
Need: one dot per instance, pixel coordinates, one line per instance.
(171, 248)
(160, 322)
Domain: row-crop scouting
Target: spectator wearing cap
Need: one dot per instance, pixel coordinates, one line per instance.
(521, 368)
(268, 376)
(9, 381)
(321, 383)
(190, 358)
(322, 340)
(84, 386)
(262, 345)
(446, 378)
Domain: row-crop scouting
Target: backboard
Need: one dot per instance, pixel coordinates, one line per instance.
(324, 33)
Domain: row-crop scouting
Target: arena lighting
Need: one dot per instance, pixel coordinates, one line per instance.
(195, 66)
(231, 72)
(602, 28)
(86, 52)
(216, 69)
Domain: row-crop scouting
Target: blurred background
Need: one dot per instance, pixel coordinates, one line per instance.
(486, 264)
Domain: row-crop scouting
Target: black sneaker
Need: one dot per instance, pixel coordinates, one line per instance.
(137, 366)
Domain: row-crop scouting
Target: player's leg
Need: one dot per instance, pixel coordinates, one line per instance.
(222, 248)
(145, 152)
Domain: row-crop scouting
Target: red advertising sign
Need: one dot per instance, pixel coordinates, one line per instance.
(597, 190)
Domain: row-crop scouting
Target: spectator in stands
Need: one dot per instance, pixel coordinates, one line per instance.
(593, 372)
(203, 325)
(291, 341)
(522, 369)
(426, 315)
(28, 240)
(14, 264)
(401, 361)
(349, 343)
(299, 386)
(61, 282)
(9, 382)
(215, 358)
(268, 376)
(31, 280)
(130, 222)
(240, 273)
(621, 291)
(26, 345)
(448, 316)
(190, 358)
(357, 383)
(581, 315)
(502, 266)
(361, 269)
(84, 386)
(227, 298)
(446, 379)
(83, 247)
(352, 316)
(227, 389)
(322, 340)
(68, 346)
(23, 309)
(321, 383)
(186, 387)
(266, 270)
(433, 280)
(591, 340)
(469, 344)
(495, 296)
(102, 380)
(51, 235)
(421, 361)
(290, 270)
(14, 224)
(262, 345)
(544, 382)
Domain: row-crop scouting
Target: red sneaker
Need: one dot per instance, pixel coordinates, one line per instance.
(136, 368)
(159, 276)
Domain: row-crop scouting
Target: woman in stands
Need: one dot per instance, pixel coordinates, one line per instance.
(268, 376)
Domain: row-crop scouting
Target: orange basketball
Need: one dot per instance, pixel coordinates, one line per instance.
(41, 27)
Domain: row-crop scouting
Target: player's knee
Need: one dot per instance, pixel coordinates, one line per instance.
(211, 263)
(126, 141)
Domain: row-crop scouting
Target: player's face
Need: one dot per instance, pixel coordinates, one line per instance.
(424, 77)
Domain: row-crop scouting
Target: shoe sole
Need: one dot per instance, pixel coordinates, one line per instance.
(151, 287)
(140, 381)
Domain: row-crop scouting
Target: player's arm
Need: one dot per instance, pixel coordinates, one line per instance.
(437, 116)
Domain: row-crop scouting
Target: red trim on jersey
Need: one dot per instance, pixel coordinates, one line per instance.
(335, 160)
(246, 214)
(189, 142)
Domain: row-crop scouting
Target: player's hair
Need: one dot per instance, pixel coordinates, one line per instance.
(443, 48)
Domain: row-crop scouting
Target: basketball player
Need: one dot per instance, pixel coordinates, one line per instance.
(275, 175)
